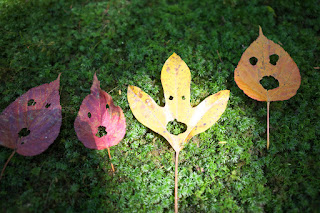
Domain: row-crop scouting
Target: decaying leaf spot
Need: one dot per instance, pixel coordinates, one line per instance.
(175, 127)
(31, 130)
(176, 79)
(269, 82)
(272, 60)
(101, 131)
(97, 117)
(31, 102)
(24, 132)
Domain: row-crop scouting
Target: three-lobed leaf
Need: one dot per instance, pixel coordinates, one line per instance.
(176, 78)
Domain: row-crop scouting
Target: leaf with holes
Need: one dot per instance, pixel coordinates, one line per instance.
(99, 124)
(263, 59)
(32, 122)
(264, 62)
(176, 78)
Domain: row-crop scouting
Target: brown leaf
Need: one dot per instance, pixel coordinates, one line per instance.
(255, 64)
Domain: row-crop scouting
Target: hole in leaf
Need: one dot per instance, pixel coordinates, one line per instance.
(170, 98)
(175, 127)
(183, 98)
(31, 102)
(101, 131)
(107, 106)
(48, 105)
(273, 59)
(89, 115)
(253, 60)
(269, 82)
(24, 132)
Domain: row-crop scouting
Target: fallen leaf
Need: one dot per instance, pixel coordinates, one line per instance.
(98, 110)
(37, 114)
(257, 63)
(176, 79)
(99, 124)
(248, 75)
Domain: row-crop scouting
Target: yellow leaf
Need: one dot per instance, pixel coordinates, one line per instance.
(176, 78)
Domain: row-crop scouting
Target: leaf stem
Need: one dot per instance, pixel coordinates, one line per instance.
(5, 165)
(268, 115)
(176, 184)
(110, 159)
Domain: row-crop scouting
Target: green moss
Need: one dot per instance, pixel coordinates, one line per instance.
(127, 42)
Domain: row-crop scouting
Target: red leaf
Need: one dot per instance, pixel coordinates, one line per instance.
(37, 113)
(97, 110)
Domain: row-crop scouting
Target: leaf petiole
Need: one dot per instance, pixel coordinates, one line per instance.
(268, 106)
(5, 165)
(110, 159)
(176, 184)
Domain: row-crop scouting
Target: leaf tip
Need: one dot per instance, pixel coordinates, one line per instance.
(226, 93)
(174, 54)
(130, 88)
(260, 31)
(95, 84)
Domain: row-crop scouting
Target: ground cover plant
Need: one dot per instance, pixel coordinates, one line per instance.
(226, 168)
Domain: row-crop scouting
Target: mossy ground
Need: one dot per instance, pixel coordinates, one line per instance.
(126, 43)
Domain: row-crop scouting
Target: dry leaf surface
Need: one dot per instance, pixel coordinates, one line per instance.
(38, 112)
(176, 78)
(255, 64)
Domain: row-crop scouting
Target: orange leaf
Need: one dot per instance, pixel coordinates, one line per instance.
(255, 64)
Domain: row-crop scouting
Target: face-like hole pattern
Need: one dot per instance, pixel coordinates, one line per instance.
(175, 127)
(31, 102)
(101, 131)
(253, 60)
(273, 59)
(269, 82)
(23, 133)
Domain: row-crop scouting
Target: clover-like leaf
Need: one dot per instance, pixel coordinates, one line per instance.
(31, 123)
(263, 58)
(176, 78)
(99, 124)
